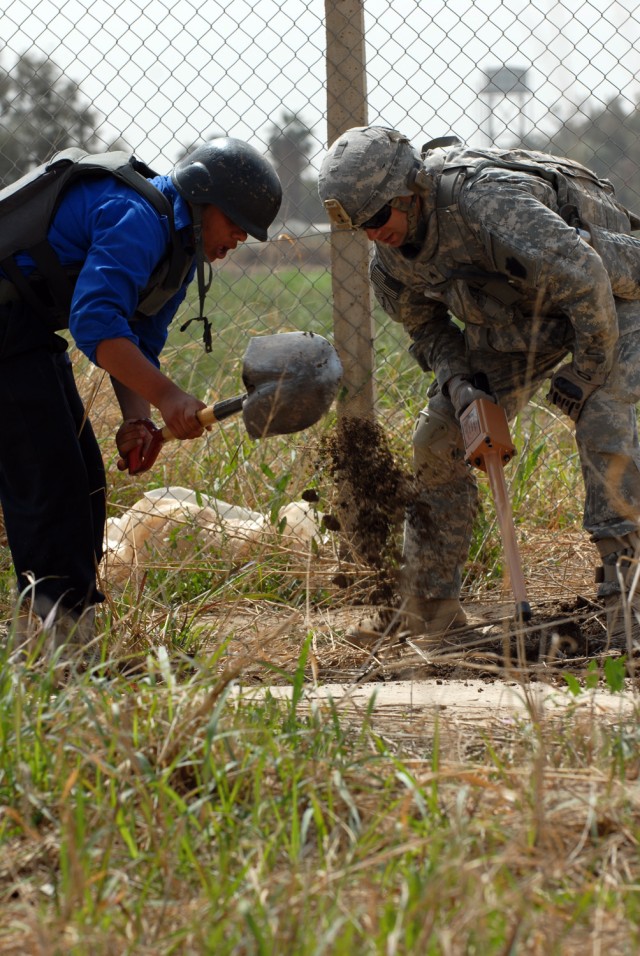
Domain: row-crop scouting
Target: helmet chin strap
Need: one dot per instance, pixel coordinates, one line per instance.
(402, 202)
(416, 226)
(203, 284)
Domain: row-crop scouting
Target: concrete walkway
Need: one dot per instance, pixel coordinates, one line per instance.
(468, 699)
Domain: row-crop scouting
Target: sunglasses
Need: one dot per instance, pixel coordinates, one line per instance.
(379, 218)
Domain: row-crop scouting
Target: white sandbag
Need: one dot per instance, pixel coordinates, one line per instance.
(175, 523)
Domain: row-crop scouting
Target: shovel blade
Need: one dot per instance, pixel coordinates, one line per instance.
(291, 380)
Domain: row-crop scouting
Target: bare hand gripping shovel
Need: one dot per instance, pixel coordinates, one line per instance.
(291, 379)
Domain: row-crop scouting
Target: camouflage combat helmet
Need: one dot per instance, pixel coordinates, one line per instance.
(364, 169)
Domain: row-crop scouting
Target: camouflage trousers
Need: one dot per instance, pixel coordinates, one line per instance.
(439, 522)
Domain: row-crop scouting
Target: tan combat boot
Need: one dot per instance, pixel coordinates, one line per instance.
(619, 588)
(383, 623)
(434, 616)
(430, 616)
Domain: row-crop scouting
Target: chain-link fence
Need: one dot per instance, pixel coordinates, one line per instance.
(285, 76)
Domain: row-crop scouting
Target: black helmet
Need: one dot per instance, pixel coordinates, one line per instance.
(235, 177)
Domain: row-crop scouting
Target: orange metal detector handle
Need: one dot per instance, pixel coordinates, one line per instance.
(488, 446)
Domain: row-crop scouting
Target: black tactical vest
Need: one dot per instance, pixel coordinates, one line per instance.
(27, 208)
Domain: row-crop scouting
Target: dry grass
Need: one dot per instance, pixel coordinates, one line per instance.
(155, 807)
(165, 816)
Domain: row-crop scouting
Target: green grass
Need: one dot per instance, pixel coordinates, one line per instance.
(544, 479)
(257, 303)
(156, 814)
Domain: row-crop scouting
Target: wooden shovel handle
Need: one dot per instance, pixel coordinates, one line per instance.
(216, 413)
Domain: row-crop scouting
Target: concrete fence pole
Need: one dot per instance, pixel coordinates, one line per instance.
(352, 298)
(353, 451)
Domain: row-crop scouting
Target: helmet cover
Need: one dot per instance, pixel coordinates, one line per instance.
(364, 169)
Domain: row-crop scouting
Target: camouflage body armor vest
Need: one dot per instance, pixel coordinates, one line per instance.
(584, 201)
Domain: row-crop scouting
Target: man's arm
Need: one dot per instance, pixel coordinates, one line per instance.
(132, 405)
(133, 433)
(142, 385)
(438, 343)
(533, 246)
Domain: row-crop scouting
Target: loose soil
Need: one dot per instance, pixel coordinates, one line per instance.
(558, 640)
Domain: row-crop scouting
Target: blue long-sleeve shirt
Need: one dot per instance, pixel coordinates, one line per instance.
(120, 239)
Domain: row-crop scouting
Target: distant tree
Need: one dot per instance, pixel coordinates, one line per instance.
(290, 144)
(41, 111)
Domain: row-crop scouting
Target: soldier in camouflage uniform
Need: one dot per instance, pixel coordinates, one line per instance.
(495, 246)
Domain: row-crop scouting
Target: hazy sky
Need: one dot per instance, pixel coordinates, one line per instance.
(164, 74)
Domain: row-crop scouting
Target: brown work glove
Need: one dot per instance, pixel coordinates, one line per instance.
(570, 389)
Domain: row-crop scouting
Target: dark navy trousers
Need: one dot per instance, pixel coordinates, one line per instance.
(52, 477)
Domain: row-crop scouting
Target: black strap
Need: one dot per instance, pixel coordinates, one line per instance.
(133, 175)
(50, 268)
(450, 180)
(25, 289)
(203, 284)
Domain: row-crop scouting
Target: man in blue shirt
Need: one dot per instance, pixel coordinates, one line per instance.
(127, 257)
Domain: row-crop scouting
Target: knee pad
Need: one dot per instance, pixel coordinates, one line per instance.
(436, 437)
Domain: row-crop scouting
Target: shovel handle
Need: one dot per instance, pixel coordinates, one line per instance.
(216, 413)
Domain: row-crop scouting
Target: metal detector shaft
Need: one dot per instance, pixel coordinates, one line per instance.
(488, 445)
(507, 533)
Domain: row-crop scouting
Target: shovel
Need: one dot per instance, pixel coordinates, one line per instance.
(291, 379)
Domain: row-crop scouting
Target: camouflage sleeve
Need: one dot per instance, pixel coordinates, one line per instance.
(531, 244)
(438, 344)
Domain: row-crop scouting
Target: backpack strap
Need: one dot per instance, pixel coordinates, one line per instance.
(50, 268)
(440, 142)
(449, 183)
(135, 175)
(26, 290)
